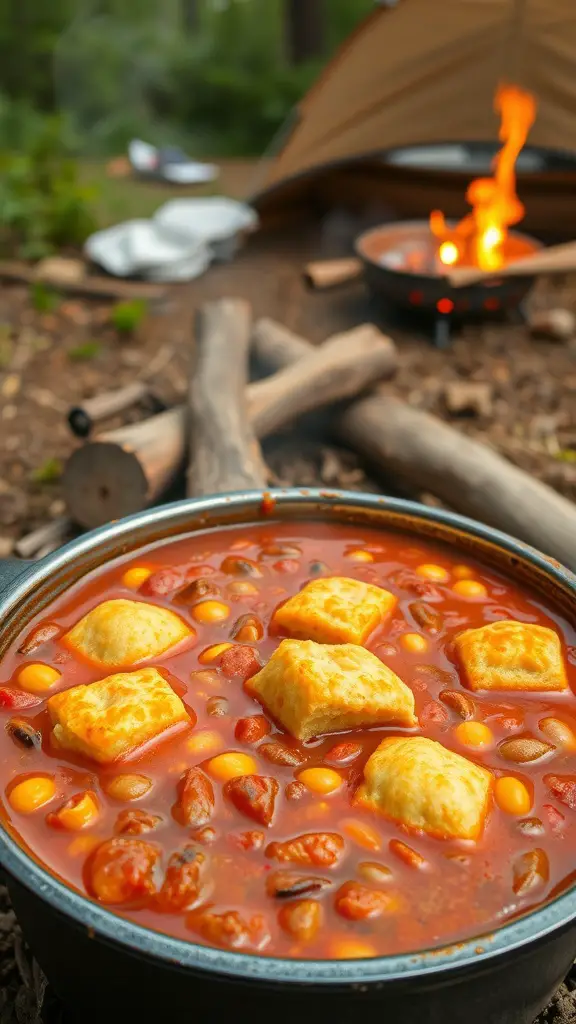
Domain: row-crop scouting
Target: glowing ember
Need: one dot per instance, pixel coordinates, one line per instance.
(448, 253)
(479, 239)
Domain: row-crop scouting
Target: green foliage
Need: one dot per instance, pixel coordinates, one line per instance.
(82, 353)
(126, 317)
(43, 204)
(29, 31)
(48, 472)
(43, 298)
(120, 68)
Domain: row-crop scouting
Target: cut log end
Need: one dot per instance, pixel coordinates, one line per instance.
(324, 274)
(102, 482)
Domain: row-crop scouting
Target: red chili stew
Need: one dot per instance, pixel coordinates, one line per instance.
(224, 827)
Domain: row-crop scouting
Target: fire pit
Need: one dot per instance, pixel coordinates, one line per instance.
(411, 259)
(402, 266)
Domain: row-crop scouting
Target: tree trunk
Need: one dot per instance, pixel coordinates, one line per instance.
(305, 29)
(191, 14)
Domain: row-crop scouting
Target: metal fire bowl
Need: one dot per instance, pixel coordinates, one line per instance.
(432, 293)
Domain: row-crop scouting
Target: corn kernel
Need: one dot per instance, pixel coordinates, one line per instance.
(362, 834)
(360, 556)
(38, 678)
(414, 643)
(32, 793)
(351, 949)
(432, 572)
(212, 653)
(134, 578)
(473, 590)
(512, 795)
(210, 611)
(79, 812)
(320, 780)
(230, 765)
(474, 734)
(462, 572)
(205, 742)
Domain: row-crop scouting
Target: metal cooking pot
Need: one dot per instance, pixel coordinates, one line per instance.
(108, 969)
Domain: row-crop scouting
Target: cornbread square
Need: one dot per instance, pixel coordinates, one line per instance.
(107, 719)
(422, 785)
(120, 633)
(312, 689)
(511, 655)
(335, 610)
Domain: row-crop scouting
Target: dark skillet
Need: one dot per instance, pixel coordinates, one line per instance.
(430, 292)
(108, 970)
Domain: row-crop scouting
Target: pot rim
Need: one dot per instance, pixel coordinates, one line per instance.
(102, 923)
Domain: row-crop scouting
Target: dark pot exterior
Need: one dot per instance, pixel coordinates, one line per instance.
(104, 982)
(107, 969)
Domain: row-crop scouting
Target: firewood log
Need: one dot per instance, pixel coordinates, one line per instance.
(429, 455)
(125, 470)
(223, 452)
(340, 368)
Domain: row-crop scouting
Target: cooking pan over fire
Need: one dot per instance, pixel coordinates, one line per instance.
(401, 265)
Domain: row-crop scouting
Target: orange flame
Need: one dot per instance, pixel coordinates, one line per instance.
(479, 238)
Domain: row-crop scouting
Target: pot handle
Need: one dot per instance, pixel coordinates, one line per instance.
(11, 569)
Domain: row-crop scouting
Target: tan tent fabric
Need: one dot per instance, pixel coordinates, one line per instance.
(425, 71)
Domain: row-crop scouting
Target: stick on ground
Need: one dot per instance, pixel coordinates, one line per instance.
(325, 274)
(92, 286)
(83, 418)
(45, 538)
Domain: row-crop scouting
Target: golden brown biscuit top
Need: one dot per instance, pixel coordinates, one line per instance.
(122, 633)
(113, 716)
(421, 784)
(334, 610)
(511, 655)
(316, 688)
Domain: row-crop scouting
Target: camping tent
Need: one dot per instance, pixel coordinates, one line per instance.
(423, 72)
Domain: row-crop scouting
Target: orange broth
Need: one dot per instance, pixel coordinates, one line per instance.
(463, 888)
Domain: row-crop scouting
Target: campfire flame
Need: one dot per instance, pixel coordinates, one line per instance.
(479, 239)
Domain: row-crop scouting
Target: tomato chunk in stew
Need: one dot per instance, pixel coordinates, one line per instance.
(297, 740)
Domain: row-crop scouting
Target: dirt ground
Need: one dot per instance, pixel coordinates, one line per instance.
(52, 359)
